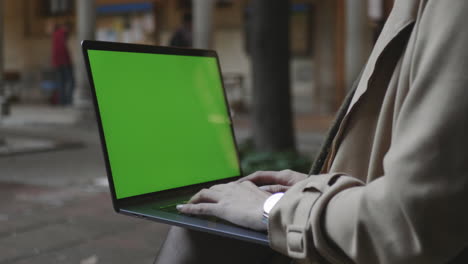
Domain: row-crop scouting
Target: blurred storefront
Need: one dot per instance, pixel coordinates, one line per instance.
(318, 39)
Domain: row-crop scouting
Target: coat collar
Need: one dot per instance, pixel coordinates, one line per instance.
(404, 13)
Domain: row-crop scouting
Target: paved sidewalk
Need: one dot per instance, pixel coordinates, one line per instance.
(55, 207)
(83, 230)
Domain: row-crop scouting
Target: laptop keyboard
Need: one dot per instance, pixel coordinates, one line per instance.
(171, 208)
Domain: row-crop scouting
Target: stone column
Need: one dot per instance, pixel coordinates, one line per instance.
(202, 23)
(3, 99)
(272, 118)
(358, 39)
(2, 90)
(325, 56)
(85, 28)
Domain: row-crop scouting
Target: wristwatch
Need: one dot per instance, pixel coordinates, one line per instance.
(269, 204)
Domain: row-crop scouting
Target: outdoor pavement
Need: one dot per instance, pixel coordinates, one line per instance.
(54, 201)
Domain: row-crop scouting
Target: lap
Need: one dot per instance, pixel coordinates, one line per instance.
(188, 246)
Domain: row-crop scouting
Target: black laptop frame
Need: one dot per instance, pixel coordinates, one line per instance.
(138, 48)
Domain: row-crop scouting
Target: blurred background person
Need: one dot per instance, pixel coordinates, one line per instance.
(182, 37)
(62, 64)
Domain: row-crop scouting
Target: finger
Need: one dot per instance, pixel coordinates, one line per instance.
(198, 209)
(274, 188)
(205, 196)
(261, 177)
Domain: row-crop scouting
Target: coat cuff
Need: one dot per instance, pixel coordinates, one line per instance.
(295, 223)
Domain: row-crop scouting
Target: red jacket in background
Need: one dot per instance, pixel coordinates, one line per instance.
(60, 54)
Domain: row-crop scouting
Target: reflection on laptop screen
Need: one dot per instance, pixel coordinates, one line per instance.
(164, 119)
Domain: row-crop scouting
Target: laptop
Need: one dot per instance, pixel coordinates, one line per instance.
(165, 129)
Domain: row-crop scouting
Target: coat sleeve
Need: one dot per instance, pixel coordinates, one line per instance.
(417, 212)
(294, 226)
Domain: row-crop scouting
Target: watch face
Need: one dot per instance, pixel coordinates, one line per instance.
(271, 201)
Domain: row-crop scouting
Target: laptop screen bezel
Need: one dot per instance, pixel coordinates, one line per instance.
(138, 48)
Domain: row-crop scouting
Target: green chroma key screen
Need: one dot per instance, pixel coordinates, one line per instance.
(165, 120)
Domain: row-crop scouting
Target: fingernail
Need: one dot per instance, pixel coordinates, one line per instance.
(179, 206)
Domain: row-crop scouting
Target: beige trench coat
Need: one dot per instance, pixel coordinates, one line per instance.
(395, 183)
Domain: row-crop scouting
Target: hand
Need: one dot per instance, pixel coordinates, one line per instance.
(275, 181)
(240, 203)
